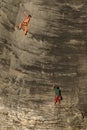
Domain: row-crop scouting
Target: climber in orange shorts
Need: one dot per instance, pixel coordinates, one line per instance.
(25, 23)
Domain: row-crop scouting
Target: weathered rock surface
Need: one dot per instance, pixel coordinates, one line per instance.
(54, 51)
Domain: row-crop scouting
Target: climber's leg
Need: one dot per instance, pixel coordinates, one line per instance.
(20, 25)
(58, 99)
(25, 29)
(55, 100)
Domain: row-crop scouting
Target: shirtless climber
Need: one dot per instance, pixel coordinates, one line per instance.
(58, 96)
(25, 23)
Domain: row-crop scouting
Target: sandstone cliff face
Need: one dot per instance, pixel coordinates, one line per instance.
(54, 51)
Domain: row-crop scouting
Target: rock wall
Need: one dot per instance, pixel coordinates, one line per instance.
(54, 51)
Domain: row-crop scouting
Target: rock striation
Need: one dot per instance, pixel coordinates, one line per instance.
(54, 51)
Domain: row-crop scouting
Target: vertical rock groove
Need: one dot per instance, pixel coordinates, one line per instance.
(54, 51)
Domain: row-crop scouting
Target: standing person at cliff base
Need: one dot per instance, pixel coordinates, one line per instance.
(25, 23)
(58, 96)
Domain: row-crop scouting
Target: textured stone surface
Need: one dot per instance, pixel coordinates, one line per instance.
(54, 51)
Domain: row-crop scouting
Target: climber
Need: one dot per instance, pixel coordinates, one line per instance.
(25, 23)
(58, 96)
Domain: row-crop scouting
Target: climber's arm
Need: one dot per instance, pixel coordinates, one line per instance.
(53, 85)
(25, 15)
